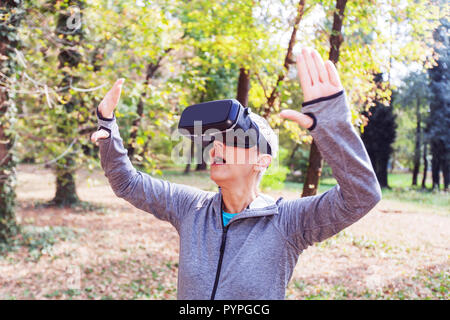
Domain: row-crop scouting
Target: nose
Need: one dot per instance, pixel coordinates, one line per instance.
(218, 144)
(217, 149)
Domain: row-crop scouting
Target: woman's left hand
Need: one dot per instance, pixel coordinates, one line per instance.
(317, 79)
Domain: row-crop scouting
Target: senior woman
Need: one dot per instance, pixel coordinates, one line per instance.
(238, 243)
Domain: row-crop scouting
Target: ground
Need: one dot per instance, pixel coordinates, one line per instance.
(112, 250)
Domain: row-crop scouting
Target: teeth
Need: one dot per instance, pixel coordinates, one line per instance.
(218, 159)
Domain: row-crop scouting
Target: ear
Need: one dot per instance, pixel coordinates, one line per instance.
(264, 161)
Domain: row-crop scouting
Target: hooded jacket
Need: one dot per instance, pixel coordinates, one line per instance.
(253, 257)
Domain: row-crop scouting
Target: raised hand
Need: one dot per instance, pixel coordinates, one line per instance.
(106, 108)
(317, 79)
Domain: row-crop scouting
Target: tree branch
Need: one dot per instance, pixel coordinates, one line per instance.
(287, 60)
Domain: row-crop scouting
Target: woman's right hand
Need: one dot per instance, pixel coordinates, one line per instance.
(106, 109)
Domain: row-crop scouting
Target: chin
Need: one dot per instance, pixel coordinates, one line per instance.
(218, 175)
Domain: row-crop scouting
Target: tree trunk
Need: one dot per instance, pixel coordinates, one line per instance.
(311, 183)
(336, 37)
(439, 163)
(425, 166)
(66, 194)
(393, 162)
(435, 173)
(198, 149)
(9, 40)
(70, 57)
(292, 156)
(382, 172)
(243, 86)
(314, 170)
(202, 165)
(446, 173)
(187, 169)
(436, 163)
(417, 147)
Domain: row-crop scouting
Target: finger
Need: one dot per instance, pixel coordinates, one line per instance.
(312, 69)
(302, 119)
(100, 134)
(94, 137)
(114, 94)
(320, 66)
(333, 75)
(111, 99)
(303, 74)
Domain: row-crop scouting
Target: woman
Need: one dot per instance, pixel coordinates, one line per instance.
(238, 243)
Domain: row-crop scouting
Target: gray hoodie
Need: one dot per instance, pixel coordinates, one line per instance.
(253, 257)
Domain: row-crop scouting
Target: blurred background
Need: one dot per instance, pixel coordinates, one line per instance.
(65, 235)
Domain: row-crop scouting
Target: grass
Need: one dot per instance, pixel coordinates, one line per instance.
(402, 190)
(400, 183)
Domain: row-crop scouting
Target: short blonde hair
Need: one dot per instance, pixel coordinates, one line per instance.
(267, 132)
(269, 135)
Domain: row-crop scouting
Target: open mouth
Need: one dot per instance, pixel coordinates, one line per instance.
(218, 160)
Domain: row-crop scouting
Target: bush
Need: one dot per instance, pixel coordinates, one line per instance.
(274, 178)
(276, 174)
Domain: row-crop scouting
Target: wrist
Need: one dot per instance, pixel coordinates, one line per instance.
(313, 120)
(324, 98)
(101, 116)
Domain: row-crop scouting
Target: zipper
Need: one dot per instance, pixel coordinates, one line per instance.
(219, 264)
(222, 247)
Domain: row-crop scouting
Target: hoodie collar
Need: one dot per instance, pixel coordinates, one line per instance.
(262, 205)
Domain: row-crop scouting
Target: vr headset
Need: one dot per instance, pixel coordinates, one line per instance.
(224, 120)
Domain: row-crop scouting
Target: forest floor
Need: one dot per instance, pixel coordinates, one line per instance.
(111, 250)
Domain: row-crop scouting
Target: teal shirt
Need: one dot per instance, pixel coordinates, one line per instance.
(227, 217)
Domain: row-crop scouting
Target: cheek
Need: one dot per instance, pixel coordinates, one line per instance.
(242, 171)
(239, 156)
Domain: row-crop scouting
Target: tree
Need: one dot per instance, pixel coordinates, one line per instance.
(69, 32)
(58, 104)
(438, 122)
(425, 165)
(227, 39)
(369, 48)
(311, 183)
(379, 135)
(411, 104)
(12, 13)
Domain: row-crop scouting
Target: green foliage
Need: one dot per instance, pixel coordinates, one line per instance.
(275, 175)
(411, 105)
(274, 178)
(438, 122)
(175, 53)
(11, 15)
(38, 240)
